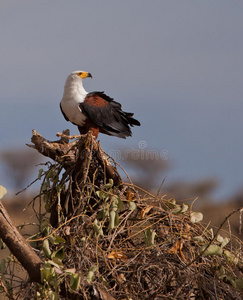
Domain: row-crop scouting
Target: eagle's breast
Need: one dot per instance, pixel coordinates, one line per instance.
(73, 112)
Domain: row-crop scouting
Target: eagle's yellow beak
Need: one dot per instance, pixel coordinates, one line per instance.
(84, 74)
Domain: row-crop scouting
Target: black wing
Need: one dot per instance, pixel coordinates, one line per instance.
(108, 115)
(66, 118)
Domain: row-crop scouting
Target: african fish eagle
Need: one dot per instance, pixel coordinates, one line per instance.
(94, 111)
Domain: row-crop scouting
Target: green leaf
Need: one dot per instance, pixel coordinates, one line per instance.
(59, 240)
(51, 174)
(114, 203)
(106, 210)
(100, 194)
(3, 191)
(46, 273)
(212, 250)
(184, 207)
(46, 248)
(57, 261)
(211, 232)
(116, 219)
(199, 239)
(109, 185)
(132, 206)
(196, 217)
(40, 174)
(52, 239)
(52, 295)
(219, 238)
(91, 274)
(231, 258)
(50, 263)
(45, 186)
(2, 244)
(112, 223)
(60, 253)
(119, 203)
(225, 242)
(75, 281)
(176, 209)
(170, 204)
(172, 201)
(222, 241)
(150, 235)
(71, 271)
(97, 227)
(45, 227)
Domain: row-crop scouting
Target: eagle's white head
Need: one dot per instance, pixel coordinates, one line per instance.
(74, 84)
(80, 74)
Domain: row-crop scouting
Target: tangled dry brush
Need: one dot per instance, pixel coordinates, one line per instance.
(101, 239)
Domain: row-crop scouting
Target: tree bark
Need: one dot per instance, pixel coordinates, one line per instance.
(65, 153)
(19, 247)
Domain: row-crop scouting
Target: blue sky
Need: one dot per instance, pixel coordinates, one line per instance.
(176, 64)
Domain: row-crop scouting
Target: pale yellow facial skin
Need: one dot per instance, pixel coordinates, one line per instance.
(83, 74)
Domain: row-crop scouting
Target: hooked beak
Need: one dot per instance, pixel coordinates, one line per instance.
(84, 75)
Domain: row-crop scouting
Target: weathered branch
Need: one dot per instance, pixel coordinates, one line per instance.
(56, 149)
(19, 247)
(66, 153)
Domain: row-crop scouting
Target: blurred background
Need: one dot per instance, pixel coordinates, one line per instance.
(176, 64)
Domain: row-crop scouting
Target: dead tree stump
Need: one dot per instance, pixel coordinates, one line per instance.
(83, 162)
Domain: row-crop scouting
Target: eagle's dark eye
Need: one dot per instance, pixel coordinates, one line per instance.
(80, 73)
